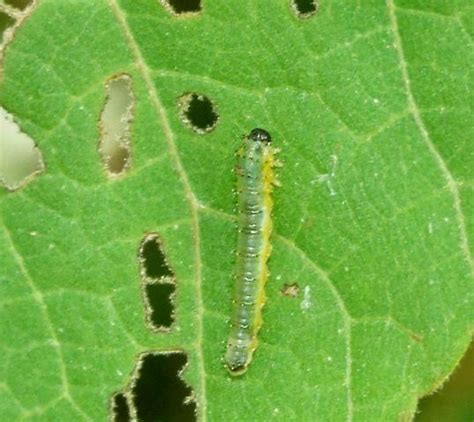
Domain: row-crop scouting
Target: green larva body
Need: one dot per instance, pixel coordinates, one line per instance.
(255, 178)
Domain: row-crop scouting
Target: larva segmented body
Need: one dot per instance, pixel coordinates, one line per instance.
(255, 179)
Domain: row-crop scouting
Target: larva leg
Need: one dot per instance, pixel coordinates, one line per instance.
(276, 182)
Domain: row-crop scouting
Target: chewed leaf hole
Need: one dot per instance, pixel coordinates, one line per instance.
(158, 284)
(290, 290)
(198, 112)
(304, 8)
(182, 6)
(158, 391)
(159, 299)
(152, 258)
(120, 409)
(115, 121)
(20, 158)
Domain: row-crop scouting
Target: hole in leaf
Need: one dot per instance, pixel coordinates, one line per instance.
(5, 22)
(454, 401)
(20, 159)
(116, 117)
(159, 393)
(158, 284)
(19, 4)
(120, 410)
(183, 6)
(304, 8)
(159, 297)
(153, 258)
(197, 112)
(290, 290)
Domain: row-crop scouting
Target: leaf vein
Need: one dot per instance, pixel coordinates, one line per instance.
(413, 107)
(39, 299)
(193, 203)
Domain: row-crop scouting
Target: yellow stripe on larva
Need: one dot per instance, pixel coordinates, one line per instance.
(255, 181)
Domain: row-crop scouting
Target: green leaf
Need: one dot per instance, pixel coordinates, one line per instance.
(371, 105)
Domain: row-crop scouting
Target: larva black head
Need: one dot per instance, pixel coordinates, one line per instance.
(260, 135)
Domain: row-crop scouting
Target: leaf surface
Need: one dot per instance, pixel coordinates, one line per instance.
(371, 105)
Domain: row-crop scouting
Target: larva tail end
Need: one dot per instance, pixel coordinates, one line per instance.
(236, 371)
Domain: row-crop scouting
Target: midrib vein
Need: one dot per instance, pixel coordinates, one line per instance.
(193, 203)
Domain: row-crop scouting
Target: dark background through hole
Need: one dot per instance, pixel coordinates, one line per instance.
(200, 112)
(160, 300)
(159, 393)
(182, 6)
(19, 4)
(305, 7)
(154, 259)
(121, 412)
(5, 22)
